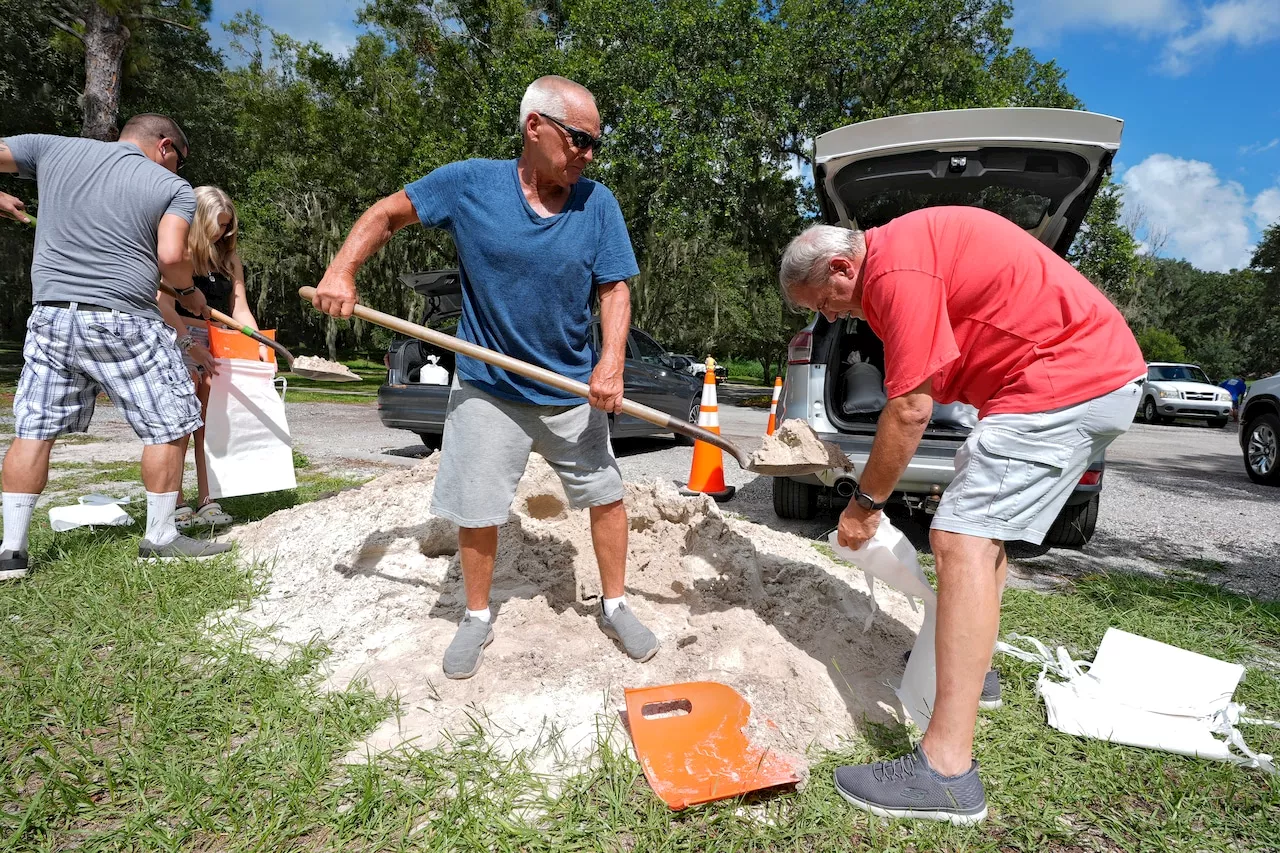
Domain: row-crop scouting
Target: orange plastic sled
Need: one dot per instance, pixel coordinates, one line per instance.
(691, 742)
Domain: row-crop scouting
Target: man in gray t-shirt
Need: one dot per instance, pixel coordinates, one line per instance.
(114, 216)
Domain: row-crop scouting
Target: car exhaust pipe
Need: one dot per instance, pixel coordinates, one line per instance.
(845, 486)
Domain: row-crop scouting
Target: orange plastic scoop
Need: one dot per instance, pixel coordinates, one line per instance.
(691, 742)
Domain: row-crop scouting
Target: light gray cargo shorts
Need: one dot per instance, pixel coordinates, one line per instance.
(487, 442)
(1015, 472)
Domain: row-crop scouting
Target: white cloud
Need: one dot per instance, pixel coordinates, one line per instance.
(1259, 147)
(1243, 22)
(1039, 22)
(332, 23)
(1188, 28)
(1205, 218)
(1266, 207)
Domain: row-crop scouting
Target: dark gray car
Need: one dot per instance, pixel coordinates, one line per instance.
(406, 402)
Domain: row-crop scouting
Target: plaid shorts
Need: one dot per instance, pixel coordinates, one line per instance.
(69, 356)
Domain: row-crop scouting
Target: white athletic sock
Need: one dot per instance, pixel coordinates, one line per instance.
(482, 615)
(160, 507)
(611, 604)
(18, 509)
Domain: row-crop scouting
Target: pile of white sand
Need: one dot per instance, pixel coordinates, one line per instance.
(377, 578)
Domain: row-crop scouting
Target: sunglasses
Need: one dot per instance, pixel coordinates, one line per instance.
(182, 160)
(578, 138)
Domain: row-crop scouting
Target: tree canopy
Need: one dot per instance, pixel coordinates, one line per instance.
(709, 109)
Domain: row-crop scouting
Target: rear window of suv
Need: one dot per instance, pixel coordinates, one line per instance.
(1177, 373)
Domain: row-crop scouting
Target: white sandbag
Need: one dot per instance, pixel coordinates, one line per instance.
(248, 449)
(890, 557)
(863, 389)
(432, 373)
(91, 511)
(959, 415)
(1144, 693)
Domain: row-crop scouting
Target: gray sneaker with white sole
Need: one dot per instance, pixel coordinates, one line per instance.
(637, 641)
(181, 548)
(466, 652)
(908, 787)
(990, 699)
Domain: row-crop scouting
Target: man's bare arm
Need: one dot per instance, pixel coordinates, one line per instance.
(898, 433)
(8, 165)
(175, 266)
(615, 324)
(336, 293)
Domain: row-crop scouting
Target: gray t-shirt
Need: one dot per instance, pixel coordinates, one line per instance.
(100, 208)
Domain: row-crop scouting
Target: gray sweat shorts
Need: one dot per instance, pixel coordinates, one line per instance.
(1015, 471)
(487, 442)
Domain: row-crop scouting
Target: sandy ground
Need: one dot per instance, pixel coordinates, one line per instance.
(731, 601)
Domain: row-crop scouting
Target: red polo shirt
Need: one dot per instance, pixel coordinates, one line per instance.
(997, 319)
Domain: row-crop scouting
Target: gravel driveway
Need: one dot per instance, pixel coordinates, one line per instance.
(1176, 499)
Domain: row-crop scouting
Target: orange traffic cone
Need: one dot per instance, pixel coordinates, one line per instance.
(706, 477)
(773, 407)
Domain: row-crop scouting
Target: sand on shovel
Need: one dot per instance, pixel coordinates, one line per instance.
(794, 448)
(322, 368)
(373, 576)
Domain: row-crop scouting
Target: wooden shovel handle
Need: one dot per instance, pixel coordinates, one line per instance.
(232, 323)
(539, 374)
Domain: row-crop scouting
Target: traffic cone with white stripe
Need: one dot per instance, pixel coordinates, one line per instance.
(706, 476)
(773, 407)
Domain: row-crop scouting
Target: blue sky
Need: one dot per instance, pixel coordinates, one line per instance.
(1194, 81)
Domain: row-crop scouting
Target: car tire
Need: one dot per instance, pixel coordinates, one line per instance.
(695, 409)
(432, 440)
(794, 500)
(1074, 526)
(1261, 457)
(1217, 423)
(1149, 413)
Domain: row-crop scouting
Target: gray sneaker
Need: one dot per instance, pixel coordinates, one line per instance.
(13, 565)
(638, 641)
(462, 658)
(181, 548)
(990, 699)
(908, 787)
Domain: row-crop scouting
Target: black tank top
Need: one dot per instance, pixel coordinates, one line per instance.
(217, 289)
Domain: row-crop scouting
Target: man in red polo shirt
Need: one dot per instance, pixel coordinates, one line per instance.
(971, 309)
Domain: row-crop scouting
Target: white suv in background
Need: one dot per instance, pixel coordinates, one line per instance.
(1182, 391)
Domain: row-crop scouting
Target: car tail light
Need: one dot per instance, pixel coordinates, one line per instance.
(1091, 478)
(800, 348)
(386, 360)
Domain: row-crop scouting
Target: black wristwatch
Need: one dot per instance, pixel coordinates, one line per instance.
(190, 290)
(865, 501)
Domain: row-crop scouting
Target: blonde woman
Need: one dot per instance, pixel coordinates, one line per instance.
(219, 274)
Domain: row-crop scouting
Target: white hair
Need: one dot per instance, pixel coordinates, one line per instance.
(546, 95)
(808, 257)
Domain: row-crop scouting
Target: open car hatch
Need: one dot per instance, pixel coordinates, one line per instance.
(1039, 168)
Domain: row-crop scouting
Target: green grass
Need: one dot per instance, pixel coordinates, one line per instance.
(745, 372)
(128, 723)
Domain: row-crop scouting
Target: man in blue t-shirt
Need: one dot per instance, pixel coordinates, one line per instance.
(536, 242)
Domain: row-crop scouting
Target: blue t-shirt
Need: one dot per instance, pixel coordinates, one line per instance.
(527, 280)
(1235, 387)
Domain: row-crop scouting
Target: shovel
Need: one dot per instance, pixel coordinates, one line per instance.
(570, 386)
(313, 373)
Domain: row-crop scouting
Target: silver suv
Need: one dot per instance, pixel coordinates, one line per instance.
(1039, 168)
(1260, 430)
